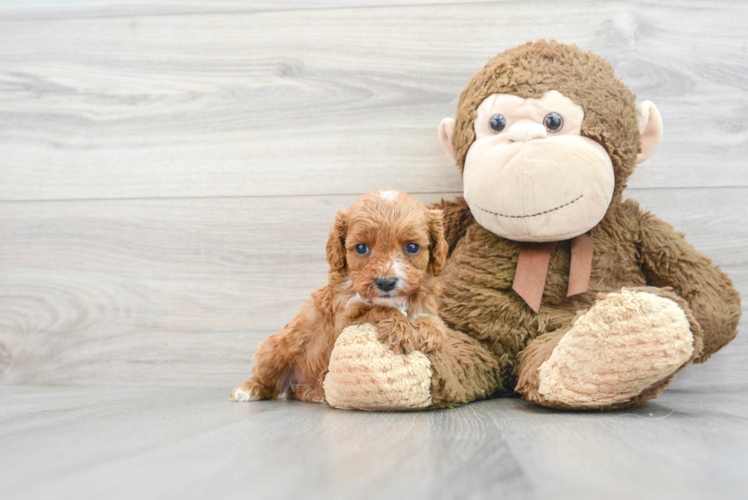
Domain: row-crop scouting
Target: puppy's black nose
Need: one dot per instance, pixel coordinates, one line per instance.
(385, 284)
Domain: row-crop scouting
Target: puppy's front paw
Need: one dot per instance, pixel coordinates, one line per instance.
(430, 344)
(431, 333)
(397, 335)
(251, 390)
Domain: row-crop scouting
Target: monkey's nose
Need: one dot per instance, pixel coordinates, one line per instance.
(385, 284)
(523, 132)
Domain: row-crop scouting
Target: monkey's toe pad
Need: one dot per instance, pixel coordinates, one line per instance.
(626, 343)
(365, 375)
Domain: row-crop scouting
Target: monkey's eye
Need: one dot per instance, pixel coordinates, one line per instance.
(362, 249)
(412, 249)
(553, 122)
(497, 123)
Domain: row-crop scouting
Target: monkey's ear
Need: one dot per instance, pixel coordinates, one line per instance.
(650, 128)
(336, 242)
(446, 129)
(438, 247)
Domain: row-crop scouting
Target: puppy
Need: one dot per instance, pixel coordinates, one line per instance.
(384, 254)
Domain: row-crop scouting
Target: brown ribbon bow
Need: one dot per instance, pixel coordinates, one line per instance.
(532, 269)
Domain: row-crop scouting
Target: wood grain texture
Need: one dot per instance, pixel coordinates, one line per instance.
(333, 101)
(34, 10)
(179, 292)
(192, 443)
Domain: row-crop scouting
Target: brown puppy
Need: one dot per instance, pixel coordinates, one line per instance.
(384, 253)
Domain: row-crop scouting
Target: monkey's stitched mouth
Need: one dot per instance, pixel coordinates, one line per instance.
(532, 215)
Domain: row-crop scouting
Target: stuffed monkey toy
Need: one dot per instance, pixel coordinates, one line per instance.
(556, 287)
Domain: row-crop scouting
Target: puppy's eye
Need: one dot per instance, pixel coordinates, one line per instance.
(497, 123)
(553, 122)
(362, 249)
(412, 248)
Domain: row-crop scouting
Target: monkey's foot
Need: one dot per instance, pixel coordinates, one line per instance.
(623, 351)
(365, 375)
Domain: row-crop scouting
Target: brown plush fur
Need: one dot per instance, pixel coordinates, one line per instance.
(490, 325)
(296, 359)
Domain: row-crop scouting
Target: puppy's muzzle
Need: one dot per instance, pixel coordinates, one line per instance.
(386, 284)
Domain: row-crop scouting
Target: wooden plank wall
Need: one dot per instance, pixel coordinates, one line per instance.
(169, 170)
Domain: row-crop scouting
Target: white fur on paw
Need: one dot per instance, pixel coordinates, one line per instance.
(242, 394)
(624, 344)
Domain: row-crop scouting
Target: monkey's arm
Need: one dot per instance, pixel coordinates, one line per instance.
(669, 261)
(457, 218)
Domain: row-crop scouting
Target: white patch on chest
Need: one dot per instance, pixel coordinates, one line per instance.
(358, 298)
(399, 303)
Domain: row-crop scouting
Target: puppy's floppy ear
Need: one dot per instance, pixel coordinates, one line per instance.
(336, 242)
(438, 248)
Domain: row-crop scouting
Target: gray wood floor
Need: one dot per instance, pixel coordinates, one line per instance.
(169, 171)
(193, 443)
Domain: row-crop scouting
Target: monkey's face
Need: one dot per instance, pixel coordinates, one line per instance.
(530, 175)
